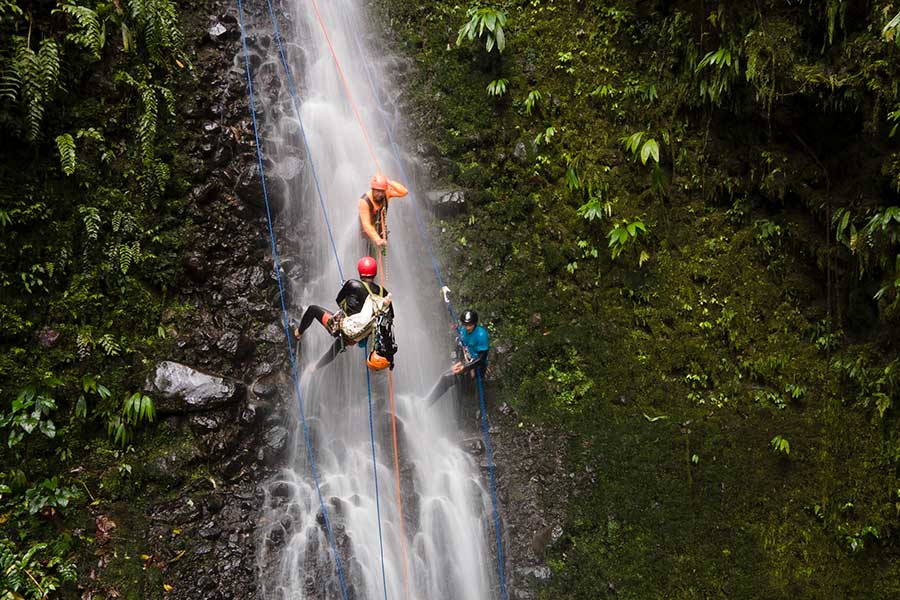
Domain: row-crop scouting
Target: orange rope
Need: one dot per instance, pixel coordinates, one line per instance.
(381, 271)
(365, 133)
(337, 63)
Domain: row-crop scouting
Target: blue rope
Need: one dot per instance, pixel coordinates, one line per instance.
(487, 445)
(375, 471)
(293, 90)
(287, 334)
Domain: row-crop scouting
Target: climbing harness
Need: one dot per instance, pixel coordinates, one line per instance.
(377, 215)
(312, 463)
(358, 326)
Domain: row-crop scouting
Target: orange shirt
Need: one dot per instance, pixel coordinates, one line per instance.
(395, 190)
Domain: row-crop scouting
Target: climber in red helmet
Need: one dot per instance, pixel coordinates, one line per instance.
(365, 309)
(373, 207)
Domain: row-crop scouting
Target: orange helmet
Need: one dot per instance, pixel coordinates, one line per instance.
(377, 362)
(367, 267)
(379, 182)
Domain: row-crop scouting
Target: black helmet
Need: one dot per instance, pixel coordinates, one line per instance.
(469, 317)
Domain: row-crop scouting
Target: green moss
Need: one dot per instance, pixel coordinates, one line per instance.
(676, 375)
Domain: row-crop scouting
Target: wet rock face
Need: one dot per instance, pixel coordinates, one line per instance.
(446, 203)
(533, 491)
(223, 423)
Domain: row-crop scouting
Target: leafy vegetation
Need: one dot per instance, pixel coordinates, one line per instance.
(487, 23)
(755, 143)
(90, 215)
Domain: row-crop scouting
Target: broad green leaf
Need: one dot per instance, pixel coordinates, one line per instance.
(843, 225)
(81, 407)
(48, 428)
(501, 37)
(650, 148)
(28, 423)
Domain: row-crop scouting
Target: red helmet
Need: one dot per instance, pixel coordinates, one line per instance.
(367, 267)
(379, 182)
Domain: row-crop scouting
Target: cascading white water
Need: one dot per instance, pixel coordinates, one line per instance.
(445, 506)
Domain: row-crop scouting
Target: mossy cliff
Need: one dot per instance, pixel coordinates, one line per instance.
(681, 233)
(130, 232)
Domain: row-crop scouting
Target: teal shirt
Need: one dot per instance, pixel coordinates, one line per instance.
(475, 342)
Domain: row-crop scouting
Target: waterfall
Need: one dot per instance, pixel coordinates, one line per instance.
(446, 510)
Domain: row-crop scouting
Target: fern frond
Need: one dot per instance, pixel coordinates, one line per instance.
(147, 125)
(157, 20)
(148, 119)
(84, 343)
(66, 146)
(109, 345)
(169, 97)
(91, 218)
(129, 254)
(161, 174)
(39, 73)
(48, 59)
(10, 82)
(91, 33)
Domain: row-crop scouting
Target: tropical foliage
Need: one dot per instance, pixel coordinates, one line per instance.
(487, 23)
(89, 243)
(739, 160)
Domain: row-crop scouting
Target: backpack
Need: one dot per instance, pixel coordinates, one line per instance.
(384, 346)
(357, 327)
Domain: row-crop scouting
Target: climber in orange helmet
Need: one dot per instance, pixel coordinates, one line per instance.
(373, 207)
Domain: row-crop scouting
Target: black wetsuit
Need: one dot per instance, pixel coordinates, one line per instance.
(351, 299)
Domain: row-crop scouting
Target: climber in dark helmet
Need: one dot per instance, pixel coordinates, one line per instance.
(365, 310)
(472, 351)
(373, 207)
